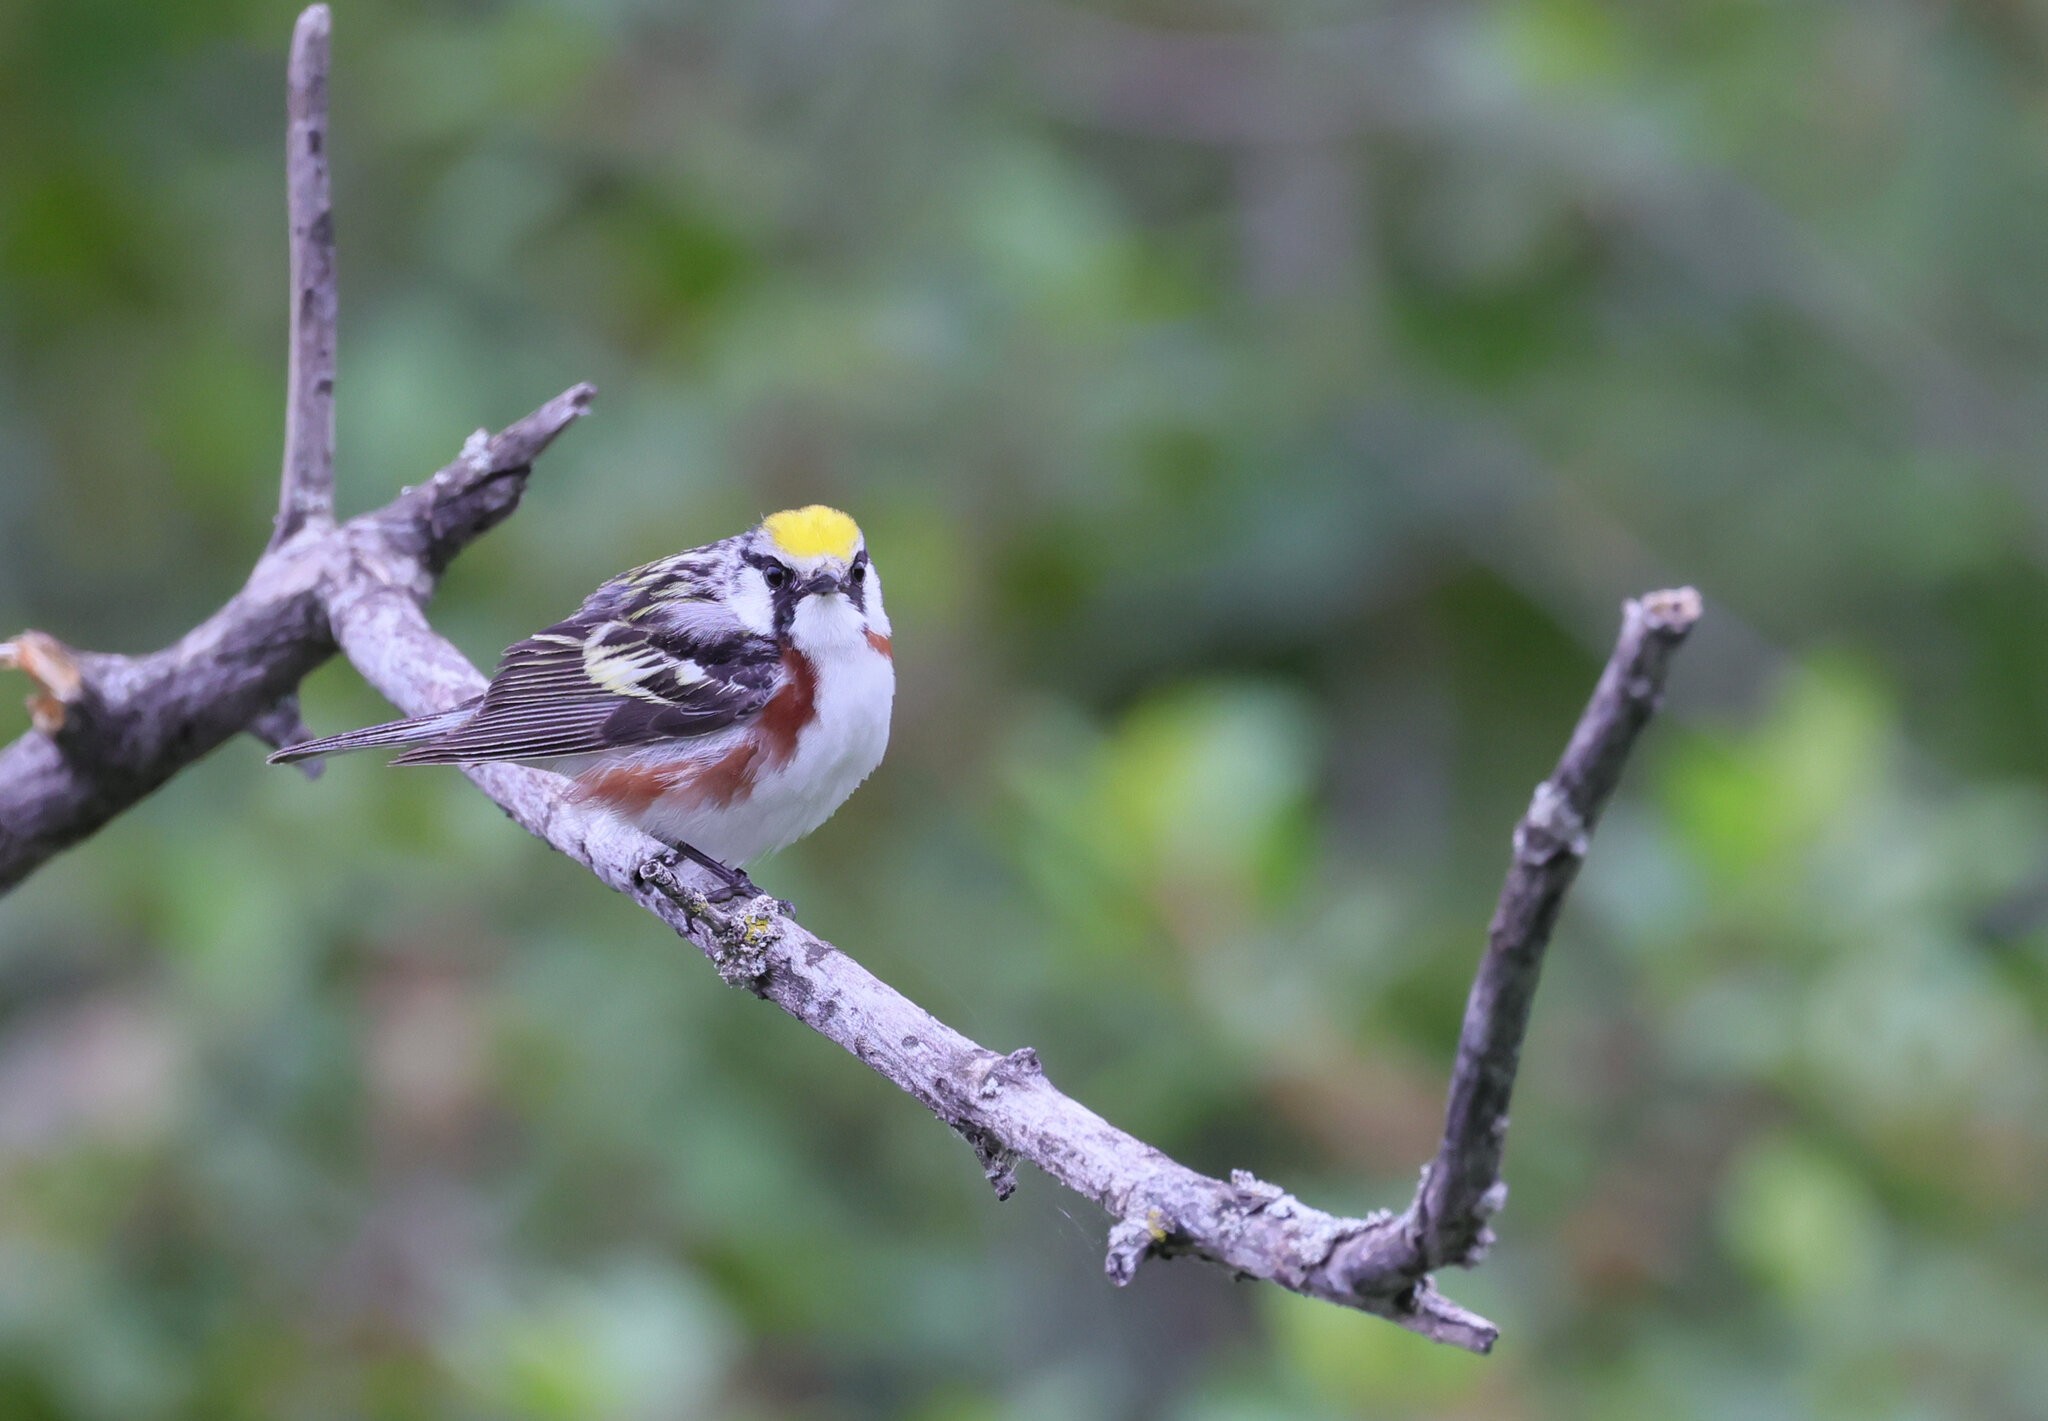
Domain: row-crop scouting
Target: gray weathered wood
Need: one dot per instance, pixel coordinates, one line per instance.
(1005, 1106)
(307, 488)
(133, 722)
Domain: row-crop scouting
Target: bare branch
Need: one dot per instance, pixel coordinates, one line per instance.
(307, 495)
(51, 665)
(130, 723)
(109, 729)
(1465, 1186)
(1248, 1226)
(1462, 1188)
(1004, 1105)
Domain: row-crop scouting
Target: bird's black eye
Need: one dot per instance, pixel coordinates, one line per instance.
(860, 568)
(776, 575)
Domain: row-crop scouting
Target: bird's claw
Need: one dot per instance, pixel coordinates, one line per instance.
(733, 884)
(737, 889)
(744, 890)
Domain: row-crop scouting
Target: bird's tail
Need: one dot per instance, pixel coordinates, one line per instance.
(393, 732)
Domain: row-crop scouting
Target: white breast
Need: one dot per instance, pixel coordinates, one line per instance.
(835, 753)
(845, 741)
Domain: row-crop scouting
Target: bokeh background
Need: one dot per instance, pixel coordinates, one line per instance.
(1258, 410)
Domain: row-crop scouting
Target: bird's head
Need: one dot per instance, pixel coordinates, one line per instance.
(813, 568)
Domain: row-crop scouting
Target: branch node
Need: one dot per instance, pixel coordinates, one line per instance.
(998, 1161)
(1134, 1240)
(1424, 1310)
(282, 726)
(60, 684)
(475, 454)
(741, 944)
(740, 939)
(1253, 1192)
(1494, 1199)
(1552, 827)
(997, 1072)
(1673, 610)
(660, 874)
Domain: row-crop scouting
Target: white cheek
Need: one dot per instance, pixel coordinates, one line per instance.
(878, 619)
(751, 602)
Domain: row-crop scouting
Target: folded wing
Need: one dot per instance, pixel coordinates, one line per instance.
(586, 685)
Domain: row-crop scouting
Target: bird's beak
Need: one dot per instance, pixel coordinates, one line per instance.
(824, 582)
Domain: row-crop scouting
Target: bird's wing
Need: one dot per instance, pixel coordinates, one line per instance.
(622, 672)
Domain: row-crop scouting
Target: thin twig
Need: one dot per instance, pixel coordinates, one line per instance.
(1465, 1186)
(307, 495)
(1462, 1188)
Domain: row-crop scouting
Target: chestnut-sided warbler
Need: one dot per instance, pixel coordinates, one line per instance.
(725, 700)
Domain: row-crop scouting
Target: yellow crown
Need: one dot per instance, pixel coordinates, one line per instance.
(814, 531)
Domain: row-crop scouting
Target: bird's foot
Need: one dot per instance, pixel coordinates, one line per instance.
(738, 888)
(733, 884)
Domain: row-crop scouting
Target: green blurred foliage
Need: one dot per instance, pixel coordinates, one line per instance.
(1258, 412)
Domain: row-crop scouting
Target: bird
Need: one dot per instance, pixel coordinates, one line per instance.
(725, 700)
